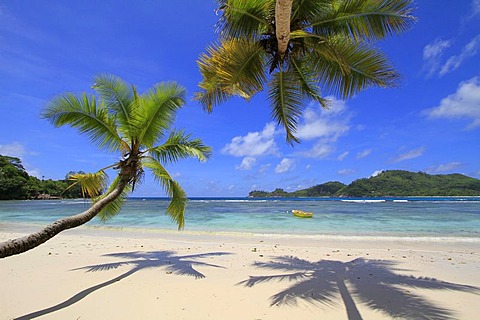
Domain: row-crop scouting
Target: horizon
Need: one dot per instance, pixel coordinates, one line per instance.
(429, 123)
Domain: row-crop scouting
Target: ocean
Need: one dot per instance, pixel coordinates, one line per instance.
(455, 218)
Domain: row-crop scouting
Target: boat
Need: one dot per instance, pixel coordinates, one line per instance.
(302, 214)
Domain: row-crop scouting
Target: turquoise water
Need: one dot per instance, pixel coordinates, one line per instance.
(407, 217)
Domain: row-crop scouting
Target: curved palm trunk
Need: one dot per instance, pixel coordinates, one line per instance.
(283, 11)
(16, 246)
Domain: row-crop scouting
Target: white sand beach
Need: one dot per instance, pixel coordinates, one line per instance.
(105, 274)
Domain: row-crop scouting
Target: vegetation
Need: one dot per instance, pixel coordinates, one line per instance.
(17, 184)
(297, 48)
(120, 119)
(277, 193)
(322, 190)
(392, 183)
(405, 183)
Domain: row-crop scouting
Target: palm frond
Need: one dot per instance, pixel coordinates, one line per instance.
(85, 114)
(178, 197)
(243, 18)
(92, 184)
(286, 101)
(305, 11)
(308, 81)
(365, 19)
(157, 111)
(114, 207)
(180, 145)
(233, 67)
(212, 91)
(359, 68)
(117, 96)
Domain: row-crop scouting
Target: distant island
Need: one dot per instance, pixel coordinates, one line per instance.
(390, 183)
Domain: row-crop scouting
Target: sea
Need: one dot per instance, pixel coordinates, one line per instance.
(455, 218)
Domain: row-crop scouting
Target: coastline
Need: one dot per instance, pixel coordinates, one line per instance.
(95, 272)
(153, 232)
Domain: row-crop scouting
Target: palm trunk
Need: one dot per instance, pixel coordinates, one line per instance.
(16, 246)
(283, 11)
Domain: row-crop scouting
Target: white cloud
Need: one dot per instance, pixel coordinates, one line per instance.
(285, 165)
(343, 155)
(465, 103)
(376, 173)
(325, 125)
(364, 153)
(345, 172)
(432, 54)
(475, 8)
(254, 143)
(34, 172)
(14, 149)
(412, 154)
(320, 150)
(264, 168)
(447, 167)
(18, 150)
(454, 62)
(247, 163)
(322, 123)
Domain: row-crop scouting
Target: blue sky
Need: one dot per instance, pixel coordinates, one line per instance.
(430, 122)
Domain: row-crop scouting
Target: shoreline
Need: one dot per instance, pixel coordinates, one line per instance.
(122, 231)
(93, 273)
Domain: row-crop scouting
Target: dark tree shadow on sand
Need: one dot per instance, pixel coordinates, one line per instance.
(172, 263)
(373, 283)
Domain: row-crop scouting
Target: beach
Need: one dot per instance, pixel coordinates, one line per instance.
(115, 273)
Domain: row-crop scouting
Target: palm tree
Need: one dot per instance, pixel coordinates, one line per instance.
(122, 120)
(294, 48)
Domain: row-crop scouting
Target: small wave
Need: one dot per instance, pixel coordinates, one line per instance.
(363, 201)
(245, 200)
(76, 202)
(227, 201)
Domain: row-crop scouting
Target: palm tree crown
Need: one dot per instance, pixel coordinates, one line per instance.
(120, 119)
(330, 45)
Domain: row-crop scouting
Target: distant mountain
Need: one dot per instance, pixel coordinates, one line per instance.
(322, 190)
(393, 183)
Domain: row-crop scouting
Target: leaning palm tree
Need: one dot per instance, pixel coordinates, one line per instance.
(120, 119)
(294, 48)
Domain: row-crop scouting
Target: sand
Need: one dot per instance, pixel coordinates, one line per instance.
(93, 273)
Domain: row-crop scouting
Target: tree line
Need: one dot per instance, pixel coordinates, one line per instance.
(390, 183)
(17, 184)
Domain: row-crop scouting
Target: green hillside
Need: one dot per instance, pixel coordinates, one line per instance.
(391, 183)
(17, 184)
(322, 190)
(404, 183)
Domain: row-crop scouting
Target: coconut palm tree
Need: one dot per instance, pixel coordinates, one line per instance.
(295, 48)
(120, 119)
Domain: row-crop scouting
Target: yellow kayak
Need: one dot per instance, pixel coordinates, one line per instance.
(302, 214)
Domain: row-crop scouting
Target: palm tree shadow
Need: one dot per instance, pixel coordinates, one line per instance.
(371, 282)
(172, 263)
